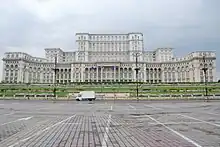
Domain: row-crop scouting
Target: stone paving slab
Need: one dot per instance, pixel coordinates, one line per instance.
(108, 124)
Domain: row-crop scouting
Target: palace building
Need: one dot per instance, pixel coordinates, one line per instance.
(109, 58)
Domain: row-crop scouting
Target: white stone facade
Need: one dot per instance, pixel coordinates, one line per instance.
(108, 58)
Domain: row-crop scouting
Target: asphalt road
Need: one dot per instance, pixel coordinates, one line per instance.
(109, 123)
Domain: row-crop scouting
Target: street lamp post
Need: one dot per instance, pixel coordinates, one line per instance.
(136, 55)
(55, 77)
(205, 68)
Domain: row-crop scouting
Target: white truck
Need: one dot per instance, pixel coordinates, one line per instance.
(86, 95)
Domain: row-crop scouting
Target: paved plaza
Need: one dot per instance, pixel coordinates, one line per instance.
(109, 123)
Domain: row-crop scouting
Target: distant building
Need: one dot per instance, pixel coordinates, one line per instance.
(108, 57)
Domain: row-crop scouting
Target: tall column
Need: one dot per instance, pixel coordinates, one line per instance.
(71, 73)
(19, 73)
(101, 73)
(134, 74)
(142, 76)
(123, 75)
(41, 77)
(215, 78)
(74, 75)
(190, 75)
(85, 74)
(89, 74)
(162, 75)
(153, 76)
(26, 75)
(114, 73)
(176, 76)
(9, 75)
(106, 73)
(158, 75)
(197, 72)
(81, 74)
(3, 72)
(214, 75)
(119, 73)
(145, 75)
(93, 74)
(97, 74)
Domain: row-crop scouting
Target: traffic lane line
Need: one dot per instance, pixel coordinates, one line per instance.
(173, 131)
(41, 131)
(211, 113)
(105, 138)
(7, 114)
(106, 134)
(193, 118)
(20, 119)
(46, 129)
(178, 123)
(132, 106)
(157, 108)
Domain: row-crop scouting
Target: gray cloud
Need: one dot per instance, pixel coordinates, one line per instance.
(186, 25)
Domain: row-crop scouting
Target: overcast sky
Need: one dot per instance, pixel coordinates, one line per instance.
(186, 25)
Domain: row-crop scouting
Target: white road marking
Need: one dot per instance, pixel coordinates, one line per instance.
(212, 113)
(186, 116)
(41, 131)
(9, 114)
(177, 133)
(105, 138)
(27, 118)
(111, 107)
(178, 123)
(153, 107)
(42, 109)
(131, 106)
